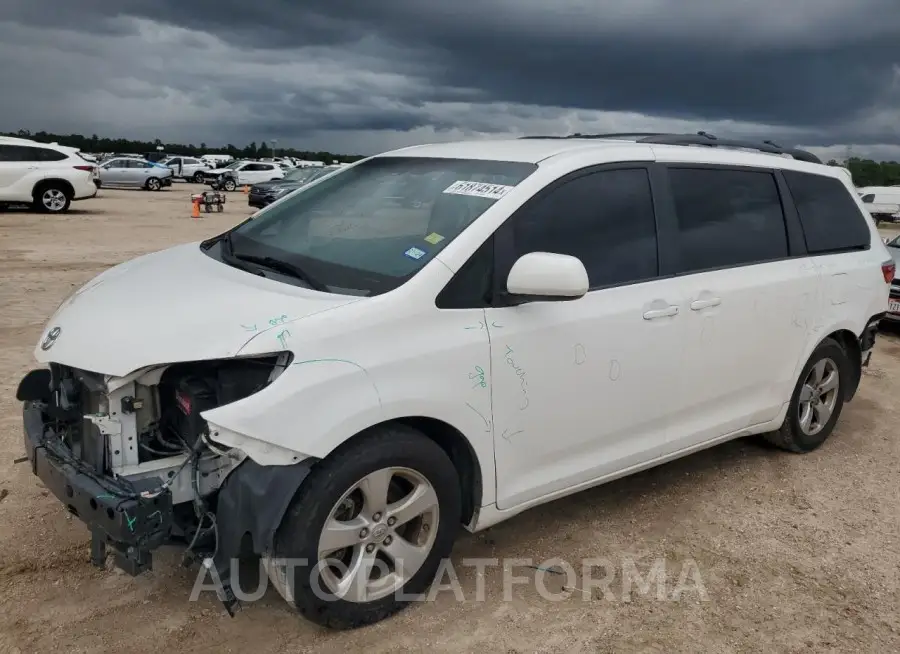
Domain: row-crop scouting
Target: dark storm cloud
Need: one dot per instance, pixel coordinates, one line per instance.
(810, 67)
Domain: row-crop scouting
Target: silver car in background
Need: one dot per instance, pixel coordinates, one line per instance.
(134, 173)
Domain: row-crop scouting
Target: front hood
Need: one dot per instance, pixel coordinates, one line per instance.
(170, 306)
(277, 185)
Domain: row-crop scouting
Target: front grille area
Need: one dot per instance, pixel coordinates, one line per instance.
(82, 393)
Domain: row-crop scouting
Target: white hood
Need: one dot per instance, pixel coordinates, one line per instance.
(170, 306)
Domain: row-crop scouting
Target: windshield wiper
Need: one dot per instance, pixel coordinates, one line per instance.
(283, 267)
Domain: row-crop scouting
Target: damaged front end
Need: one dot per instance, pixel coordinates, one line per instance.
(134, 459)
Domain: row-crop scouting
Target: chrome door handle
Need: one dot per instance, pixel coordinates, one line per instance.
(661, 313)
(697, 305)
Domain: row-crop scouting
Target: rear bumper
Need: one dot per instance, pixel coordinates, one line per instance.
(131, 518)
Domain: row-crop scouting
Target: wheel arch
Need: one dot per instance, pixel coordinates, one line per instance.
(50, 181)
(850, 344)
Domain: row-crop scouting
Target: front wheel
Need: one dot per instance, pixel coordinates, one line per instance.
(817, 400)
(368, 529)
(230, 185)
(153, 184)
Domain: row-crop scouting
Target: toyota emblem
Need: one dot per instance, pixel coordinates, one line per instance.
(50, 338)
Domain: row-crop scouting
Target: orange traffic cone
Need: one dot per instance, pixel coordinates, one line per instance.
(246, 189)
(195, 212)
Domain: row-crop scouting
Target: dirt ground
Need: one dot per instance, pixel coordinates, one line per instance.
(795, 553)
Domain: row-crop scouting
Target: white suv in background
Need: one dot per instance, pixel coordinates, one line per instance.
(444, 336)
(48, 177)
(189, 169)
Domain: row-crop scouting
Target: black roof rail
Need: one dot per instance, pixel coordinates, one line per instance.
(703, 138)
(614, 135)
(700, 138)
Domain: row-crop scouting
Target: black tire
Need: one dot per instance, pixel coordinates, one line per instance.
(52, 197)
(197, 178)
(298, 535)
(791, 436)
(229, 185)
(153, 184)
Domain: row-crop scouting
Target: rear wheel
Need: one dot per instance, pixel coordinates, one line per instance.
(817, 400)
(369, 528)
(197, 178)
(52, 198)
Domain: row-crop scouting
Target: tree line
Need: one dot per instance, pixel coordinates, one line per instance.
(94, 143)
(867, 172)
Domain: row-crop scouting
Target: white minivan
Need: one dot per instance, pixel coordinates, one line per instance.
(444, 336)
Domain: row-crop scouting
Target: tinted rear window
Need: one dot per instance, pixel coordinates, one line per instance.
(727, 217)
(831, 219)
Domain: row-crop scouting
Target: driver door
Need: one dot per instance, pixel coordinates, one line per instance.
(583, 389)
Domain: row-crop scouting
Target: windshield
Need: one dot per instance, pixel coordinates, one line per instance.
(301, 174)
(232, 165)
(373, 226)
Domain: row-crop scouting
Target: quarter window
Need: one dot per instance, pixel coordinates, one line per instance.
(831, 219)
(604, 218)
(727, 217)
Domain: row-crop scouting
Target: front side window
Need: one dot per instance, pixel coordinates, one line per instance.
(373, 226)
(727, 217)
(604, 218)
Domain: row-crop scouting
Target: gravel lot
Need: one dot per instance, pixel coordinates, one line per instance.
(795, 553)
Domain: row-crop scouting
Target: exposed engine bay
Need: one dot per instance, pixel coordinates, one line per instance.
(143, 442)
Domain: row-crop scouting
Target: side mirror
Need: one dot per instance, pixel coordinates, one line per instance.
(547, 276)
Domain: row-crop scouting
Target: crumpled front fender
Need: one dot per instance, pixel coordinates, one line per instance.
(311, 408)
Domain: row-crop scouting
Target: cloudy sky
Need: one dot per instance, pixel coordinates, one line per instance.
(361, 76)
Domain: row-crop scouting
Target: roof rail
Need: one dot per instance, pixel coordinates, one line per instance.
(708, 140)
(700, 138)
(614, 135)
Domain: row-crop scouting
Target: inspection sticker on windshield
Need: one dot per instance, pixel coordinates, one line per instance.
(478, 189)
(434, 238)
(415, 253)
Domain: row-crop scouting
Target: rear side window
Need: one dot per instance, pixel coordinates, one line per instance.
(868, 199)
(604, 218)
(727, 217)
(831, 220)
(46, 154)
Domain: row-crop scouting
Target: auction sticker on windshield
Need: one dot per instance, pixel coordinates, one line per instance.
(415, 253)
(478, 189)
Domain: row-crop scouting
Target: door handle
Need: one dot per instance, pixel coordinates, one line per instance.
(661, 313)
(697, 305)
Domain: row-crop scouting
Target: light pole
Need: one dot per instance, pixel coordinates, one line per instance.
(273, 142)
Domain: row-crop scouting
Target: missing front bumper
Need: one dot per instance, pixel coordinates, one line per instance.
(131, 518)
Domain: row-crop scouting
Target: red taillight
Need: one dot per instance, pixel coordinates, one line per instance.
(85, 168)
(888, 268)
